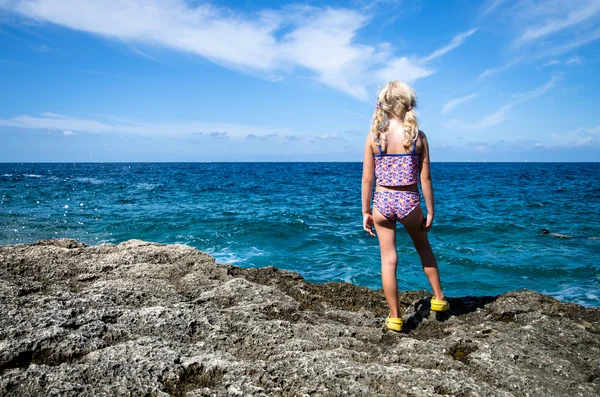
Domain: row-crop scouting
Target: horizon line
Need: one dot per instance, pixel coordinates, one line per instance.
(283, 162)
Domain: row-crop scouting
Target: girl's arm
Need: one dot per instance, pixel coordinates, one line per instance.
(367, 186)
(426, 184)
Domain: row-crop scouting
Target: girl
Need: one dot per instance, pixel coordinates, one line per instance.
(397, 152)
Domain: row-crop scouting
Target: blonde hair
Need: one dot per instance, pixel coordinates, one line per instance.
(396, 99)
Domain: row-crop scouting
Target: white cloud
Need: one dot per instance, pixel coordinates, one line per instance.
(54, 122)
(529, 95)
(554, 25)
(551, 63)
(492, 5)
(581, 137)
(574, 60)
(579, 41)
(322, 41)
(404, 69)
(501, 114)
(68, 133)
(492, 71)
(53, 115)
(586, 130)
(544, 28)
(328, 136)
(456, 42)
(362, 116)
(455, 102)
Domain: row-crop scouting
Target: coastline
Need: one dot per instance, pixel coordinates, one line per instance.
(146, 318)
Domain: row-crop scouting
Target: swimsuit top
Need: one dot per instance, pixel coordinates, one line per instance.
(397, 169)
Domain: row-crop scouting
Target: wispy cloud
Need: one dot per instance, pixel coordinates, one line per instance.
(455, 102)
(552, 28)
(270, 43)
(362, 116)
(43, 48)
(492, 5)
(574, 16)
(457, 41)
(551, 63)
(572, 44)
(143, 54)
(502, 113)
(580, 137)
(493, 71)
(328, 136)
(574, 60)
(58, 122)
(408, 70)
(587, 130)
(11, 62)
(261, 137)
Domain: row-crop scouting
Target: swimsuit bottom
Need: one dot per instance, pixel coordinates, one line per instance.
(396, 205)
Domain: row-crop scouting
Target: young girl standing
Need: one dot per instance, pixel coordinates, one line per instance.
(397, 153)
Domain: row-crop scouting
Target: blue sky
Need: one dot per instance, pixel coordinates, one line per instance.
(188, 80)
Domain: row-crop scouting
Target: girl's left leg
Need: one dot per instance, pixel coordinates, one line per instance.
(386, 233)
(413, 223)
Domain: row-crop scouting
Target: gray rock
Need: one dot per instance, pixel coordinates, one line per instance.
(142, 318)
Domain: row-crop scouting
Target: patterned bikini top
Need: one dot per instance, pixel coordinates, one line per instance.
(396, 169)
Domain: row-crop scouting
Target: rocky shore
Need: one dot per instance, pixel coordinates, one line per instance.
(144, 319)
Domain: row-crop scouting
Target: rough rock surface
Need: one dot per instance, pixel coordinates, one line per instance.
(141, 318)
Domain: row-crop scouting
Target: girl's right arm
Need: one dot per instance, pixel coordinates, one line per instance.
(426, 184)
(367, 186)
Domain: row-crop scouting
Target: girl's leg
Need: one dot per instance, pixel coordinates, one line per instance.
(386, 233)
(413, 223)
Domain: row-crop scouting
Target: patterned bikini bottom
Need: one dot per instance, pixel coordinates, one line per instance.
(396, 205)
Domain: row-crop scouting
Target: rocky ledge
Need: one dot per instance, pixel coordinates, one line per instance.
(141, 318)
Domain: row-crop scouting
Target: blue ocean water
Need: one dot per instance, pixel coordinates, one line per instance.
(306, 217)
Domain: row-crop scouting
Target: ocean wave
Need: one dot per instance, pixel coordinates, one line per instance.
(230, 257)
(147, 186)
(33, 175)
(581, 295)
(7, 175)
(93, 181)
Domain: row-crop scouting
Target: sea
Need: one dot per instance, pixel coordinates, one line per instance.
(306, 217)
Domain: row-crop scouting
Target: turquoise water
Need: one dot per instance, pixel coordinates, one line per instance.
(306, 217)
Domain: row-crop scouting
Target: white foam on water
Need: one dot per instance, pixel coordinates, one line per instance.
(229, 257)
(147, 186)
(32, 175)
(576, 295)
(93, 181)
(7, 175)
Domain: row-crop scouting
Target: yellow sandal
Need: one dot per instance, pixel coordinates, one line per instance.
(394, 324)
(439, 306)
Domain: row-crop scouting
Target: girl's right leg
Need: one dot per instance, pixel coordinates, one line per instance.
(386, 233)
(413, 224)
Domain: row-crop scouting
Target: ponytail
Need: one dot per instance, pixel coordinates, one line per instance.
(411, 128)
(380, 124)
